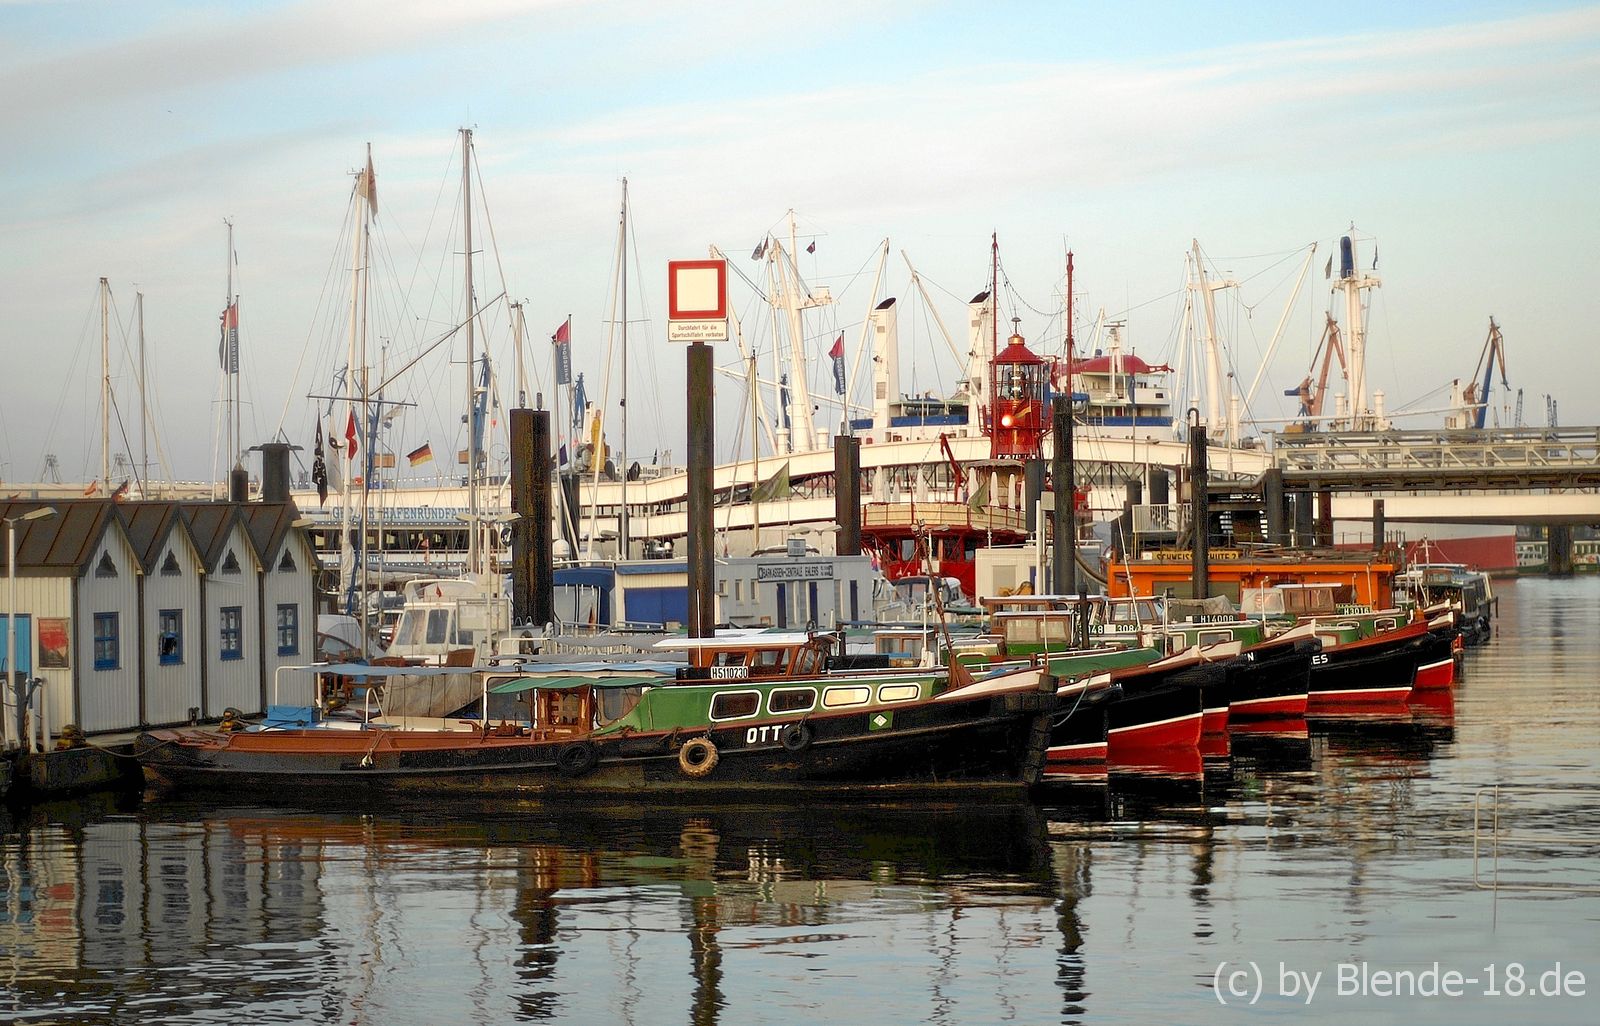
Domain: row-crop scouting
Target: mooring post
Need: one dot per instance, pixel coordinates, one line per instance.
(702, 460)
(847, 494)
(541, 513)
(1063, 515)
(1199, 507)
(1378, 527)
(523, 448)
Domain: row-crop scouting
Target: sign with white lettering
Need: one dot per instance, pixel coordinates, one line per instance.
(794, 572)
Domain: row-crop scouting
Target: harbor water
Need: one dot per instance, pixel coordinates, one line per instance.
(1437, 866)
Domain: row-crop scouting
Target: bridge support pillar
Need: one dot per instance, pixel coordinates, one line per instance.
(1272, 501)
(1558, 547)
(1325, 519)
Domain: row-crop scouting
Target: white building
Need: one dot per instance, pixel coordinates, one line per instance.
(156, 613)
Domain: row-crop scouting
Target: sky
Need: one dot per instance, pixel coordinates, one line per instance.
(1456, 140)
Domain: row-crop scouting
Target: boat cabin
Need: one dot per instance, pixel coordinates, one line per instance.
(444, 616)
(753, 654)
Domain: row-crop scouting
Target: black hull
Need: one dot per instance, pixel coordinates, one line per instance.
(1365, 673)
(984, 743)
(1271, 682)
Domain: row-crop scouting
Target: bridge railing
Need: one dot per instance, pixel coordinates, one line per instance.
(1439, 450)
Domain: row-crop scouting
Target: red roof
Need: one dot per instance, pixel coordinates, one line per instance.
(1130, 365)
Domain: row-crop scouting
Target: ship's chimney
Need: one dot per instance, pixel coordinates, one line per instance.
(885, 365)
(274, 471)
(980, 312)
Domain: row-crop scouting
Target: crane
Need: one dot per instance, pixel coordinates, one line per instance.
(1494, 350)
(1311, 400)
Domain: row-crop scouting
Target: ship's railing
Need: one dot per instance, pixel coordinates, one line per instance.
(1530, 838)
(943, 514)
(1500, 448)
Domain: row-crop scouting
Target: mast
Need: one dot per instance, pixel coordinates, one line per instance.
(994, 294)
(105, 386)
(472, 435)
(144, 440)
(622, 461)
(235, 435)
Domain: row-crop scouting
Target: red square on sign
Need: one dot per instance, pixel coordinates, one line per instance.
(697, 290)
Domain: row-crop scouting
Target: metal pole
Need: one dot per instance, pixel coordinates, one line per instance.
(1063, 516)
(542, 541)
(11, 627)
(1377, 525)
(847, 494)
(702, 460)
(1200, 506)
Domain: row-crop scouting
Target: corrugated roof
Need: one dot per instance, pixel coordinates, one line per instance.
(61, 542)
(210, 524)
(268, 524)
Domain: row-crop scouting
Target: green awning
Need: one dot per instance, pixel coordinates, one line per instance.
(518, 685)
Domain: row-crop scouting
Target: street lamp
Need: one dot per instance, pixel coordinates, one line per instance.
(16, 681)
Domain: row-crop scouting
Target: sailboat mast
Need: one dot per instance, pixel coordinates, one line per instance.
(347, 557)
(472, 438)
(105, 385)
(235, 435)
(622, 461)
(144, 420)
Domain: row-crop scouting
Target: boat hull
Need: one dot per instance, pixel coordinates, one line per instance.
(1271, 682)
(992, 742)
(1377, 671)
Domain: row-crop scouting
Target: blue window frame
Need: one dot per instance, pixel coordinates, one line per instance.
(288, 628)
(107, 642)
(169, 637)
(232, 633)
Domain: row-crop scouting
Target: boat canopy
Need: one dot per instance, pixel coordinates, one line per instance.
(521, 685)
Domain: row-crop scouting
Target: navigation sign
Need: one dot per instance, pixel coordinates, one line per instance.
(697, 300)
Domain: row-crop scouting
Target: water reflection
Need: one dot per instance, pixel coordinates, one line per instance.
(1112, 898)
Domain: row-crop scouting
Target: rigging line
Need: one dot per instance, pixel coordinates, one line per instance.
(72, 371)
(305, 347)
(494, 244)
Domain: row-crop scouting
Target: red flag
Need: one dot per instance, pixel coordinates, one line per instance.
(350, 435)
(813, 247)
(563, 334)
(836, 354)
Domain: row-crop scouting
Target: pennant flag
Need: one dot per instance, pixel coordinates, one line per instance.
(94, 486)
(561, 457)
(980, 498)
(319, 469)
(1327, 271)
(561, 339)
(1374, 256)
(367, 185)
(421, 454)
(228, 348)
(813, 247)
(760, 251)
(836, 354)
(774, 487)
(350, 436)
(122, 490)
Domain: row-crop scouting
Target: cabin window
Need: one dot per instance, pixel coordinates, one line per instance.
(107, 647)
(738, 590)
(768, 662)
(288, 628)
(169, 566)
(808, 660)
(438, 626)
(899, 692)
(1021, 630)
(1214, 638)
(232, 632)
(105, 568)
(790, 700)
(169, 637)
(230, 563)
(1386, 623)
(728, 659)
(835, 698)
(615, 703)
(286, 564)
(735, 705)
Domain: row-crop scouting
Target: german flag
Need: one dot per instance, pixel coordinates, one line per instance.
(421, 454)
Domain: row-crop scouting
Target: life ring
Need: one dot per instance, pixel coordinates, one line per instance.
(796, 737)
(577, 758)
(698, 757)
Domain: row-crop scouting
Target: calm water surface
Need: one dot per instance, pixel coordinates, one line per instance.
(1112, 900)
